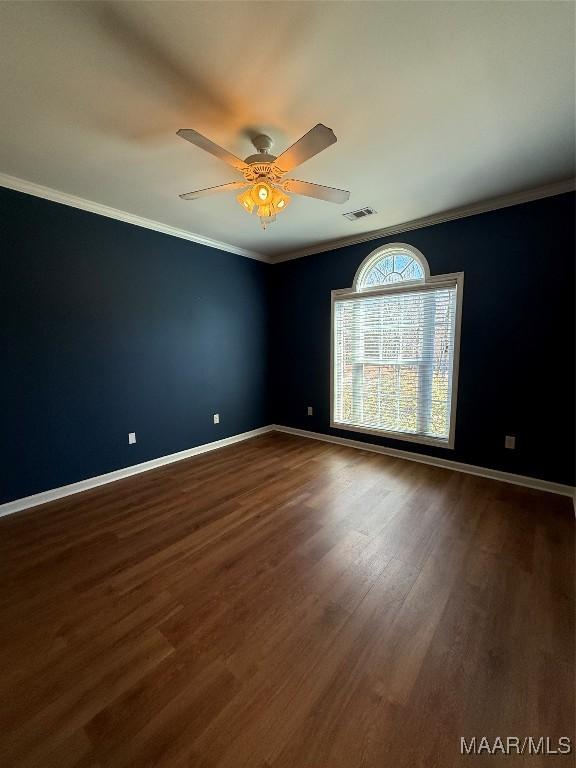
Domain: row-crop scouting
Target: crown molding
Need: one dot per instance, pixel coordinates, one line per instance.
(494, 204)
(37, 190)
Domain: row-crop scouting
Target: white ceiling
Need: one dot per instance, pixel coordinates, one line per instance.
(436, 105)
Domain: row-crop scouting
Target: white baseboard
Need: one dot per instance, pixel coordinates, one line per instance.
(457, 466)
(119, 474)
(93, 482)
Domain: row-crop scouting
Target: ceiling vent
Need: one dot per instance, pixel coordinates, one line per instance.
(359, 214)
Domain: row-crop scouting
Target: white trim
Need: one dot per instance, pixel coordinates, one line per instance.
(119, 474)
(493, 204)
(404, 437)
(456, 466)
(93, 482)
(452, 280)
(37, 190)
(405, 286)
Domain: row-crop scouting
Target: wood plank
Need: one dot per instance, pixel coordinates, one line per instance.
(285, 603)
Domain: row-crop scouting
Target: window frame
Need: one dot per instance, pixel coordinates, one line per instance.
(450, 280)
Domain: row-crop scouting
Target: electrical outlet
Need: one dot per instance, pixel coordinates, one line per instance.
(510, 442)
(216, 418)
(310, 410)
(131, 438)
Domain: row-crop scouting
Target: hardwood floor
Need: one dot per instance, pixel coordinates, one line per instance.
(286, 603)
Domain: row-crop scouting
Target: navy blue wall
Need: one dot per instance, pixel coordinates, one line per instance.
(517, 349)
(107, 328)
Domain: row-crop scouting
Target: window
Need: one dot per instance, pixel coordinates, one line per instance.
(395, 339)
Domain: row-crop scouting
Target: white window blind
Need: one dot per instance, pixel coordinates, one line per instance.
(393, 358)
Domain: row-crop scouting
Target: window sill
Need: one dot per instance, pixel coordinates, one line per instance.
(401, 436)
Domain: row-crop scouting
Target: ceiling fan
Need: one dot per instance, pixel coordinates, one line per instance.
(265, 189)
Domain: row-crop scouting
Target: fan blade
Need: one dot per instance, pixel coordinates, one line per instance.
(201, 141)
(330, 194)
(318, 138)
(212, 190)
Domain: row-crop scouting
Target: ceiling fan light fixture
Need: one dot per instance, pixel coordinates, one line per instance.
(279, 200)
(261, 193)
(246, 201)
(265, 211)
(267, 199)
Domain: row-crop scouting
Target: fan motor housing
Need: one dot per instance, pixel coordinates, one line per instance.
(262, 163)
(261, 167)
(263, 143)
(261, 157)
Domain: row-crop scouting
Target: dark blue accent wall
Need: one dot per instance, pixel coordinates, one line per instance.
(108, 328)
(517, 349)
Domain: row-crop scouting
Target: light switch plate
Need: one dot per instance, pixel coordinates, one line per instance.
(510, 442)
(310, 410)
(131, 438)
(216, 418)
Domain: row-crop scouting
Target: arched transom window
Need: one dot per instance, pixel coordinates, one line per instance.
(392, 264)
(395, 338)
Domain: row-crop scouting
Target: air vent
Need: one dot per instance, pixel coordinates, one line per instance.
(359, 214)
